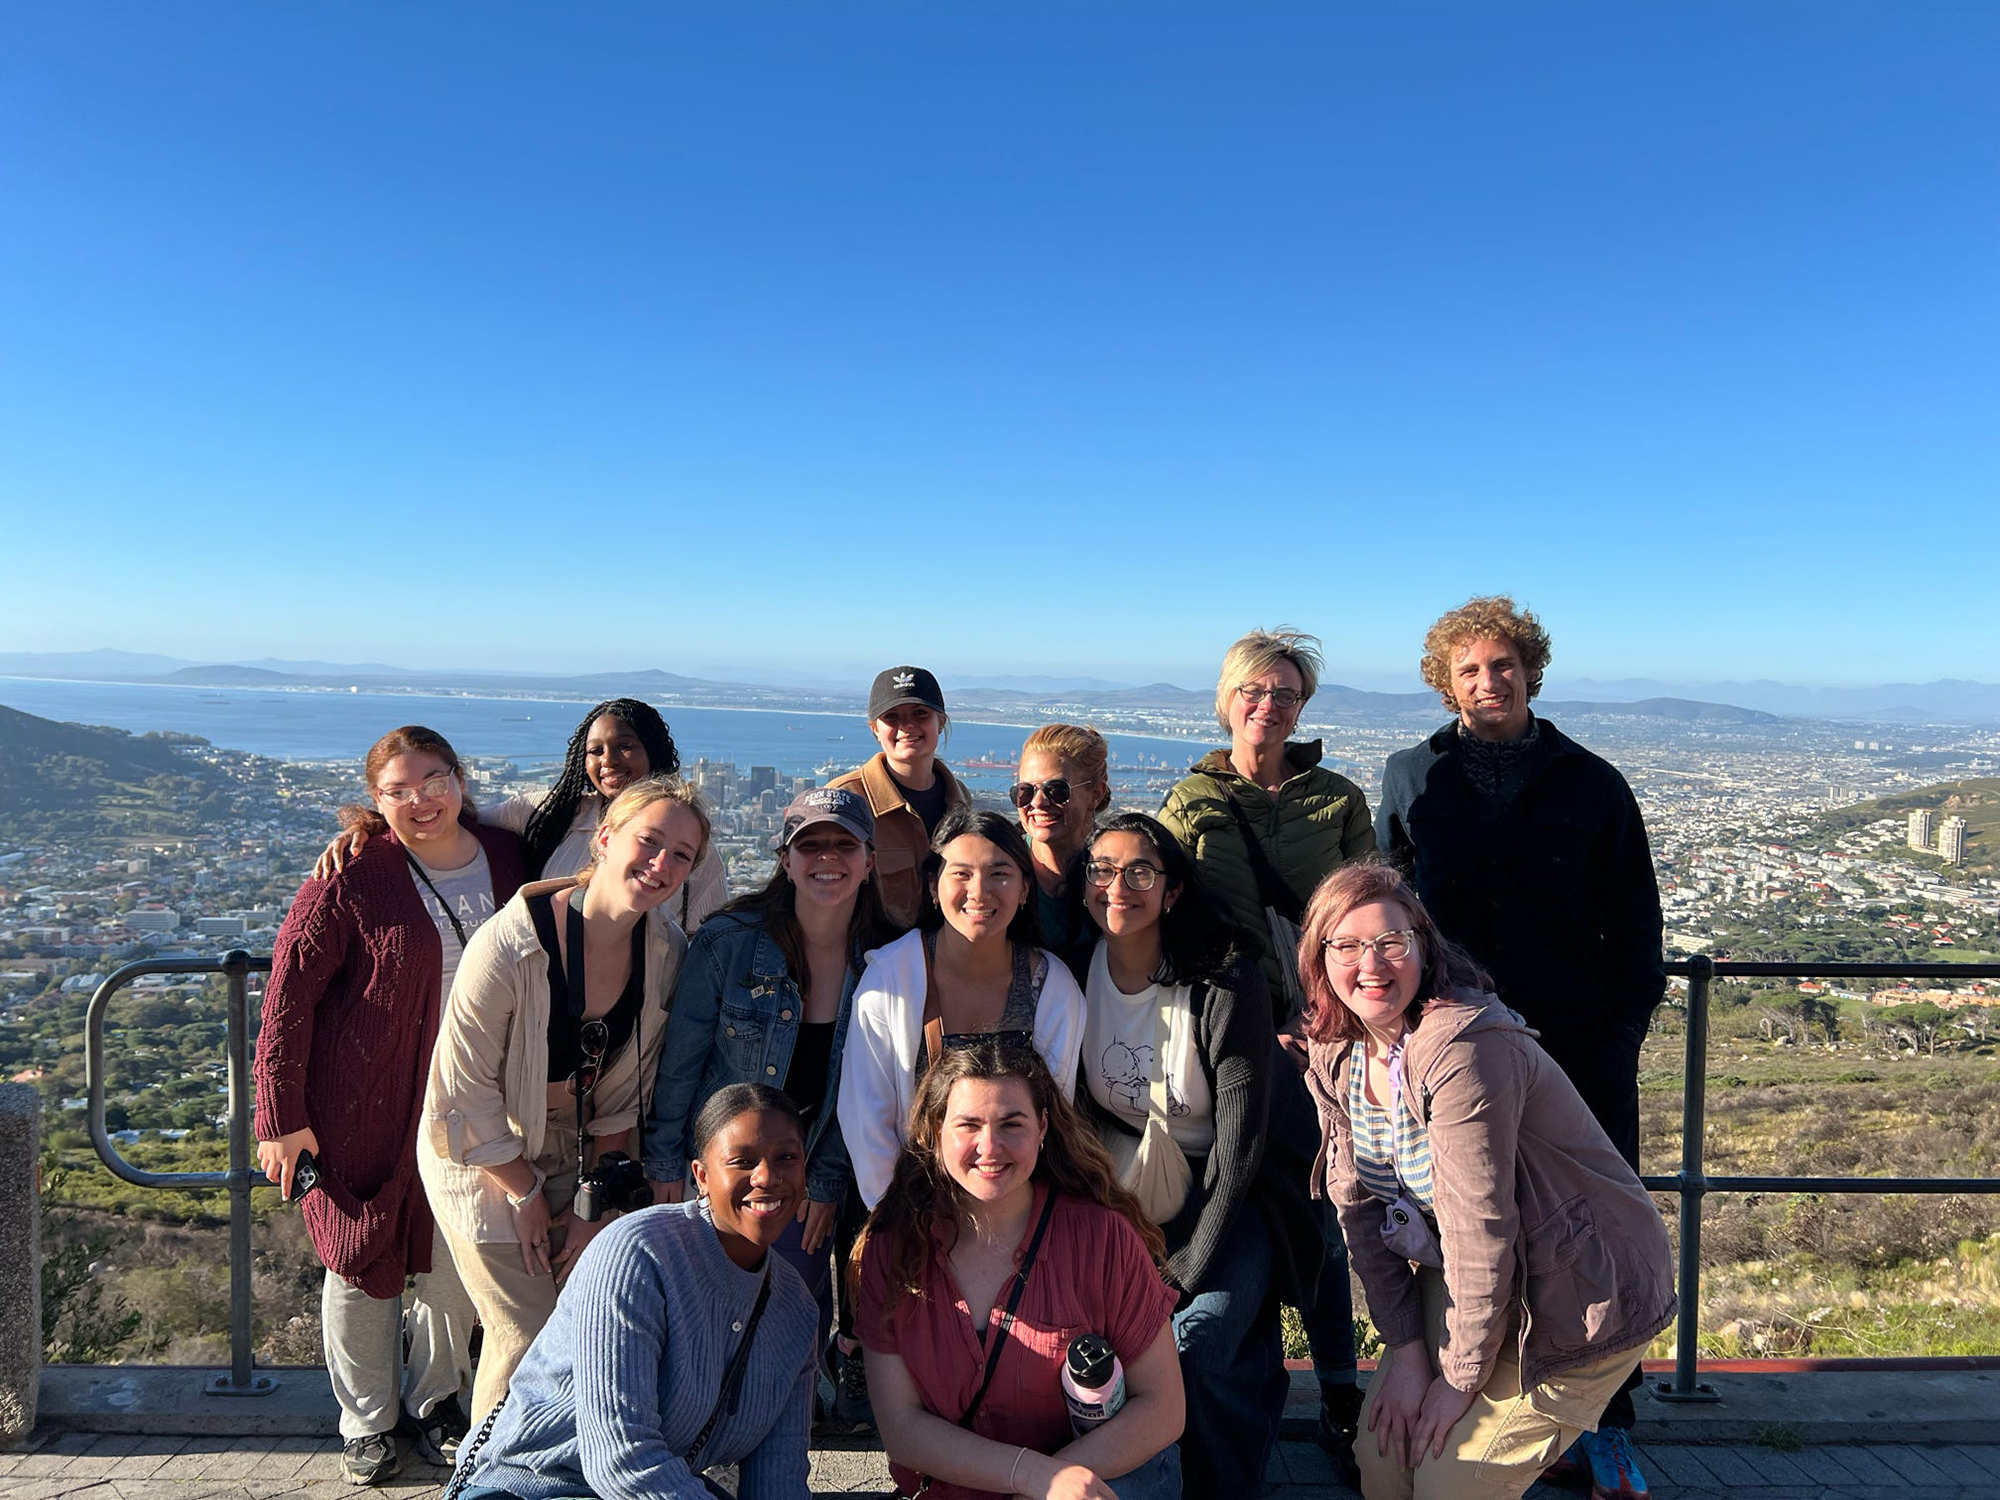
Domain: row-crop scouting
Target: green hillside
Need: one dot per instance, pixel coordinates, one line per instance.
(77, 782)
(1976, 800)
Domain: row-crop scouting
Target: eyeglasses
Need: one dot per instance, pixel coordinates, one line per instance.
(1055, 791)
(431, 788)
(1389, 947)
(591, 1040)
(1280, 697)
(1139, 876)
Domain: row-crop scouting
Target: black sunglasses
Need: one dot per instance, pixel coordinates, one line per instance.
(591, 1040)
(1055, 791)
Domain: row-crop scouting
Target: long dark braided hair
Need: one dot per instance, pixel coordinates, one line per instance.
(549, 824)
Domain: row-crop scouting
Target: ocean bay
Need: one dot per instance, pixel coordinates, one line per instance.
(319, 725)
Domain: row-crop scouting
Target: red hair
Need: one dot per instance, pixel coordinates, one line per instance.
(1365, 882)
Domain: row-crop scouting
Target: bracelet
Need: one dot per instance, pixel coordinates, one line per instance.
(513, 1202)
(1018, 1456)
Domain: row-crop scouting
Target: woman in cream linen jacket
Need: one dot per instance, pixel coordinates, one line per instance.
(498, 1151)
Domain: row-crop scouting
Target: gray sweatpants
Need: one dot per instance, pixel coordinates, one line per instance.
(364, 1342)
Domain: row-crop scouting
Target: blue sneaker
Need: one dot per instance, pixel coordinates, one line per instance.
(1614, 1468)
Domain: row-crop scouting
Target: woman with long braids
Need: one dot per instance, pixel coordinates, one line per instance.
(620, 741)
(1002, 1241)
(351, 1014)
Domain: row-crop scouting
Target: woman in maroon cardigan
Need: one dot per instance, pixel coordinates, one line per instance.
(350, 1016)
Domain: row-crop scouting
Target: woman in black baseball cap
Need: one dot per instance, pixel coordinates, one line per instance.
(908, 788)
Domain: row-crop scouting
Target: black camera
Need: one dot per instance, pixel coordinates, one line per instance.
(617, 1184)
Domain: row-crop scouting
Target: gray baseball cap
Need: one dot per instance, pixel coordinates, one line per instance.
(828, 804)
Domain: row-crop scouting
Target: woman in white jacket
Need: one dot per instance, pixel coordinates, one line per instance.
(972, 968)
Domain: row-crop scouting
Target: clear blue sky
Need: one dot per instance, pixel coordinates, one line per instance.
(1005, 337)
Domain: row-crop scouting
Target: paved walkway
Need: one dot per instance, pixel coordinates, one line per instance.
(136, 1466)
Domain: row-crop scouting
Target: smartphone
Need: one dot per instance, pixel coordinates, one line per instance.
(305, 1176)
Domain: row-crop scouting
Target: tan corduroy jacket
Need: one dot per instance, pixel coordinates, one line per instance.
(900, 840)
(487, 1100)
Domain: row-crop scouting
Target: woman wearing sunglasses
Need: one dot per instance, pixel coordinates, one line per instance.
(620, 741)
(972, 968)
(1205, 1122)
(1266, 822)
(1514, 1266)
(351, 1013)
(1065, 781)
(557, 1017)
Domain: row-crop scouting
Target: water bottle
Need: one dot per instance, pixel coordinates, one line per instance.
(1093, 1383)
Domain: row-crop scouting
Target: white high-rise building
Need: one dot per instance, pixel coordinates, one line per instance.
(1920, 828)
(1951, 841)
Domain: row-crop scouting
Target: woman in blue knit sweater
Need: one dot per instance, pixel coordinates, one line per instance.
(635, 1385)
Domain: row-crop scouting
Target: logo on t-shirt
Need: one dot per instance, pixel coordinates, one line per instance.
(1128, 1075)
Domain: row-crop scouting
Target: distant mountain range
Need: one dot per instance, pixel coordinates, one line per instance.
(1947, 701)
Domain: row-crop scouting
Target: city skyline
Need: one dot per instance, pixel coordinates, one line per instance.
(1003, 341)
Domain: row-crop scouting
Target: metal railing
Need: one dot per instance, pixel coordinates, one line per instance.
(1691, 1183)
(242, 1176)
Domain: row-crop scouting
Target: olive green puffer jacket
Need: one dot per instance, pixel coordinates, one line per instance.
(1314, 823)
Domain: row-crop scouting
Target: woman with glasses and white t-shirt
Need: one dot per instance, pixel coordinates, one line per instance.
(559, 1011)
(1207, 1123)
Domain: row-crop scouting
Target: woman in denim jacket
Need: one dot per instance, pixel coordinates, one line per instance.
(764, 998)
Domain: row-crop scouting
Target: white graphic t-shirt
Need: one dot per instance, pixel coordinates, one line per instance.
(469, 889)
(1119, 1032)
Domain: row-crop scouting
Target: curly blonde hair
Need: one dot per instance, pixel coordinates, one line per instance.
(1484, 618)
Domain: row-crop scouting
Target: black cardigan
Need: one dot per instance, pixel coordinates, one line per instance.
(1266, 1135)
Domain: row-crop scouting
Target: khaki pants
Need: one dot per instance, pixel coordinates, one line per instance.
(1506, 1437)
(513, 1305)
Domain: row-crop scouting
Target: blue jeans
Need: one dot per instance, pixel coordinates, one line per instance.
(1158, 1478)
(815, 1270)
(1330, 1320)
(1232, 1367)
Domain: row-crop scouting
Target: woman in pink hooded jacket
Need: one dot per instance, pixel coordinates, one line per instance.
(1513, 1264)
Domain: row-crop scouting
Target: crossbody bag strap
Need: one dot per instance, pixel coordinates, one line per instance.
(1013, 1304)
(1271, 886)
(443, 905)
(999, 1339)
(933, 1006)
(732, 1380)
